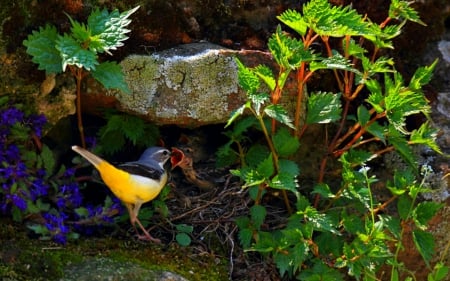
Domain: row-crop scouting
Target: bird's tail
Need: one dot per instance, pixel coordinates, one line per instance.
(89, 156)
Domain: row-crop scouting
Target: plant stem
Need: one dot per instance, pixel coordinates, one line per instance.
(78, 73)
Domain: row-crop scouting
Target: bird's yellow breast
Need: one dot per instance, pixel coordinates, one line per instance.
(129, 188)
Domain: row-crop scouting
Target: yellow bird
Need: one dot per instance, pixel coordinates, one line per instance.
(134, 183)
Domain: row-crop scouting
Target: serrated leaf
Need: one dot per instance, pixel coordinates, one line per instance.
(278, 113)
(256, 154)
(265, 168)
(111, 76)
(402, 147)
(245, 236)
(265, 73)
(422, 76)
(294, 20)
(48, 159)
(110, 27)
(73, 54)
(248, 80)
(424, 242)
(426, 135)
(334, 21)
(258, 214)
(41, 46)
(237, 113)
(284, 181)
(337, 61)
(323, 190)
(289, 167)
(324, 108)
(424, 212)
(363, 115)
(401, 10)
(378, 131)
(285, 143)
(404, 206)
(320, 221)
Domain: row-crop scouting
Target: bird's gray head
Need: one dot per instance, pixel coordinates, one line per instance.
(156, 153)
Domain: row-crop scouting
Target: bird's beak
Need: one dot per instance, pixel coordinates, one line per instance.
(176, 157)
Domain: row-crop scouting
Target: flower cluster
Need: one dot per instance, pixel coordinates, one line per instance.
(29, 184)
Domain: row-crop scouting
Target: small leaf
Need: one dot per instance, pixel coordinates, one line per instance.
(265, 167)
(73, 54)
(248, 80)
(424, 242)
(184, 228)
(284, 181)
(265, 73)
(324, 108)
(285, 143)
(258, 214)
(426, 135)
(424, 212)
(278, 113)
(110, 75)
(363, 115)
(294, 20)
(41, 46)
(183, 239)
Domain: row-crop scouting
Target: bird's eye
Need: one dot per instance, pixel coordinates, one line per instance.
(166, 152)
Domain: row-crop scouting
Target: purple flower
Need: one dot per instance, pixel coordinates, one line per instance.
(38, 188)
(11, 116)
(69, 172)
(37, 122)
(12, 153)
(18, 201)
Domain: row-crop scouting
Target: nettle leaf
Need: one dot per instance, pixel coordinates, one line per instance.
(110, 27)
(237, 113)
(424, 212)
(422, 76)
(324, 108)
(258, 214)
(337, 61)
(294, 20)
(334, 21)
(284, 181)
(73, 54)
(265, 73)
(424, 242)
(427, 135)
(288, 52)
(401, 102)
(285, 143)
(320, 221)
(378, 131)
(277, 112)
(248, 80)
(289, 167)
(258, 100)
(110, 75)
(376, 97)
(47, 159)
(402, 10)
(363, 115)
(256, 154)
(265, 167)
(80, 31)
(41, 46)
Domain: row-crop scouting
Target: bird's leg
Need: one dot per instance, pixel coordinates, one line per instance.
(133, 211)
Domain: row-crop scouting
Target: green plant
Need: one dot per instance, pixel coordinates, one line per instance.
(361, 229)
(122, 129)
(79, 50)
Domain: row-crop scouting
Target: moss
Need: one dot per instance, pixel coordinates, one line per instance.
(25, 258)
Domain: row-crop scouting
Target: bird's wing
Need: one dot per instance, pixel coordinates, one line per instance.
(139, 169)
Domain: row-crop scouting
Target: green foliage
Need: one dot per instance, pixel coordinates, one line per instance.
(122, 129)
(347, 213)
(103, 32)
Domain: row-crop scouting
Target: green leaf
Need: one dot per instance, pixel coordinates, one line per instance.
(256, 154)
(110, 75)
(324, 108)
(48, 159)
(265, 167)
(439, 272)
(110, 27)
(248, 80)
(424, 242)
(278, 113)
(426, 135)
(337, 61)
(184, 228)
(245, 236)
(183, 239)
(258, 214)
(237, 113)
(363, 115)
(404, 207)
(424, 212)
(402, 147)
(285, 143)
(323, 190)
(402, 10)
(294, 20)
(41, 46)
(73, 54)
(284, 181)
(422, 76)
(265, 73)
(288, 52)
(334, 21)
(82, 212)
(377, 131)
